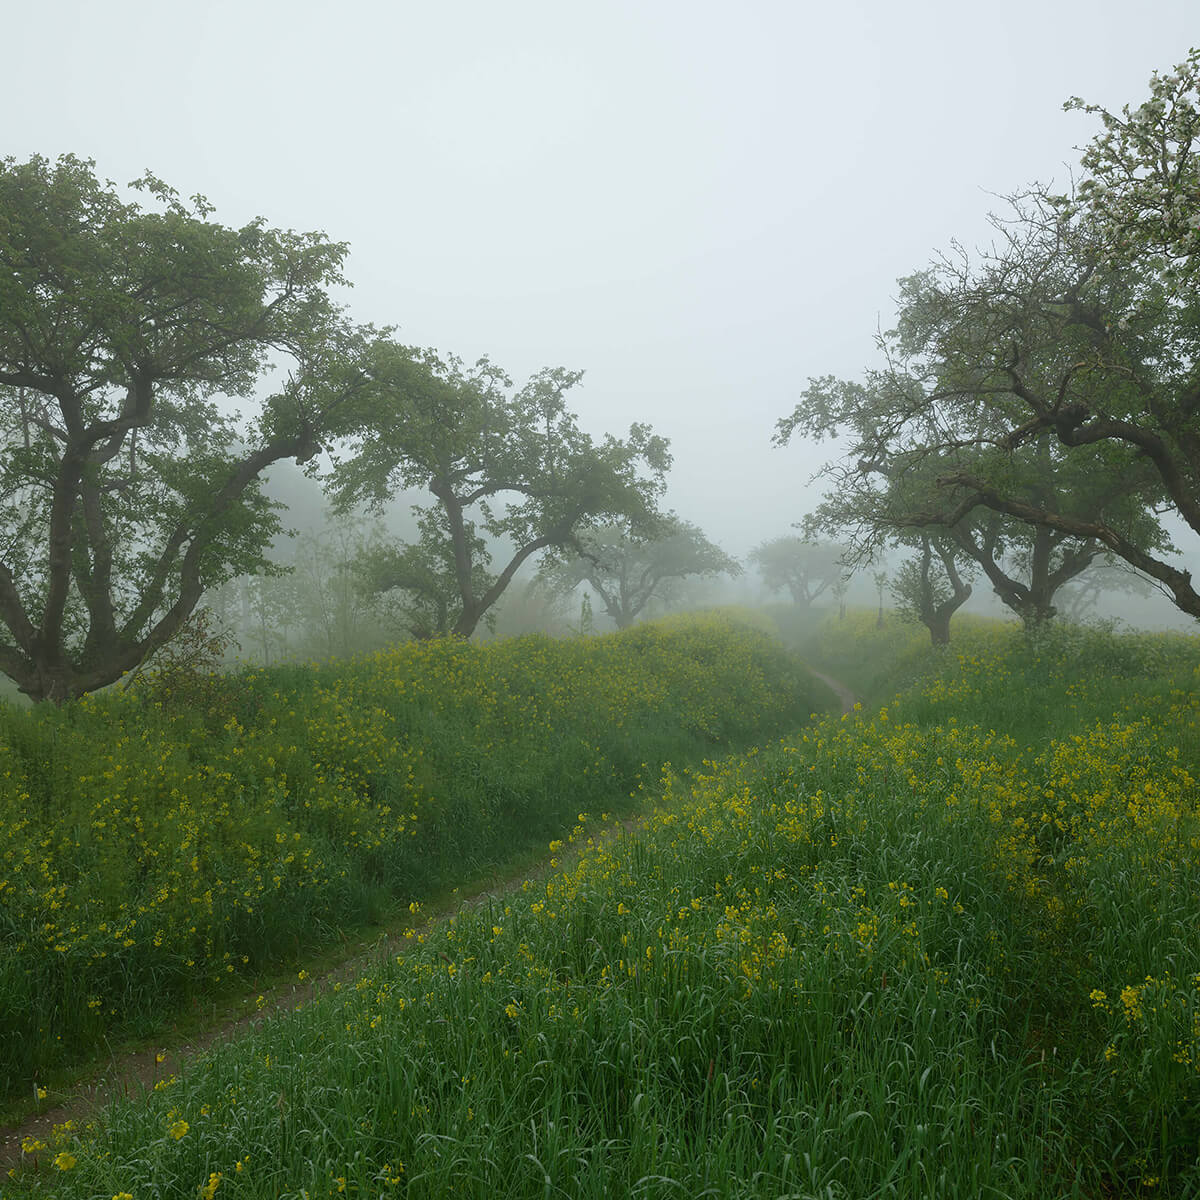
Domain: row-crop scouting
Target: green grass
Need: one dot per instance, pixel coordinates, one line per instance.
(159, 851)
(946, 949)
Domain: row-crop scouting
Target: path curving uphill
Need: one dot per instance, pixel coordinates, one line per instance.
(127, 1072)
(839, 689)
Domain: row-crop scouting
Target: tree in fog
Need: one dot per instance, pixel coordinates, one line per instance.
(1074, 337)
(874, 508)
(270, 615)
(127, 487)
(906, 440)
(423, 578)
(310, 600)
(506, 469)
(335, 603)
(931, 587)
(801, 567)
(840, 590)
(628, 567)
(1109, 579)
(880, 579)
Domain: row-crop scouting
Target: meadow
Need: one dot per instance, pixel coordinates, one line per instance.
(942, 946)
(166, 844)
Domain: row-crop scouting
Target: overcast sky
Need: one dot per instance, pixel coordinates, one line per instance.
(700, 204)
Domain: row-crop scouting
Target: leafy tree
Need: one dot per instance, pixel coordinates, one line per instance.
(128, 486)
(894, 494)
(930, 588)
(900, 502)
(422, 575)
(801, 566)
(270, 612)
(840, 590)
(628, 568)
(1108, 578)
(1080, 327)
(880, 579)
(506, 469)
(895, 500)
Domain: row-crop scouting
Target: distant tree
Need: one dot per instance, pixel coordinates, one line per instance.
(840, 590)
(127, 488)
(930, 588)
(1110, 578)
(880, 579)
(270, 613)
(628, 568)
(890, 487)
(334, 607)
(802, 567)
(505, 468)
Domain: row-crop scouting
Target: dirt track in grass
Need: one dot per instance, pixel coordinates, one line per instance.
(132, 1071)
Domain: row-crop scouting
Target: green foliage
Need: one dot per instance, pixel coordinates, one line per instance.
(127, 484)
(185, 673)
(514, 466)
(150, 850)
(907, 442)
(947, 949)
(1049, 382)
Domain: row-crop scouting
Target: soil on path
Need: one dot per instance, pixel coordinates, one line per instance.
(844, 694)
(133, 1071)
(130, 1072)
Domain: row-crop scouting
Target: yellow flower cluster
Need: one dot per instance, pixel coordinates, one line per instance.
(145, 853)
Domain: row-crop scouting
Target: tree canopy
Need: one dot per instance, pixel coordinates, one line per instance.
(628, 567)
(1072, 343)
(800, 566)
(128, 479)
(510, 472)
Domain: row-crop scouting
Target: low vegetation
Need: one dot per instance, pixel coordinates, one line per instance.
(158, 843)
(947, 947)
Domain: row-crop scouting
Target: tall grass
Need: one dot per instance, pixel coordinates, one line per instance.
(947, 949)
(150, 850)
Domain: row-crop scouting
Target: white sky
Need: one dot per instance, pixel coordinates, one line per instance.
(701, 204)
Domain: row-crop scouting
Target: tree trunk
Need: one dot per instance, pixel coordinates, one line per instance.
(938, 624)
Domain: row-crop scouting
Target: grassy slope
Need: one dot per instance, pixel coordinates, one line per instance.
(155, 849)
(948, 949)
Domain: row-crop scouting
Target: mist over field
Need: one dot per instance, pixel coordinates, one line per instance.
(698, 209)
(600, 600)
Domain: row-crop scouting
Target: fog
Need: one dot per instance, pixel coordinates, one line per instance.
(700, 204)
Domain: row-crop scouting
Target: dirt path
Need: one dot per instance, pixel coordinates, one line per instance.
(129, 1072)
(843, 693)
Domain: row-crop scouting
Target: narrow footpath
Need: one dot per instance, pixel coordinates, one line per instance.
(127, 1073)
(839, 689)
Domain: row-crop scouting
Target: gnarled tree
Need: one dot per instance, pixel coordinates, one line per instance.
(1079, 327)
(506, 469)
(930, 587)
(128, 484)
